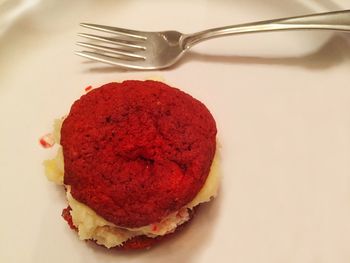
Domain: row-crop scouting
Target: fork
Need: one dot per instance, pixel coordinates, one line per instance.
(156, 50)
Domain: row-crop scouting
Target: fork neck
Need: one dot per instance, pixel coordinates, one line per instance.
(338, 20)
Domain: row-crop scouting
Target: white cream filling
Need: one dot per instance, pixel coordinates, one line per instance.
(92, 226)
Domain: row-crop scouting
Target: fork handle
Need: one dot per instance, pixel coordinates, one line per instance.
(338, 20)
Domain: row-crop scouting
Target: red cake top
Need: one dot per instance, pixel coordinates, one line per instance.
(136, 151)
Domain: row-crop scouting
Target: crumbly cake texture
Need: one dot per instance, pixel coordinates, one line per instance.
(136, 151)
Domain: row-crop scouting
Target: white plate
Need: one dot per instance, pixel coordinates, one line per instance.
(281, 101)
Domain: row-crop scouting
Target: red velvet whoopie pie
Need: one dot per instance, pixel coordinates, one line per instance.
(137, 151)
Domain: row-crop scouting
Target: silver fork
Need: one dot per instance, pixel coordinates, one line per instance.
(155, 50)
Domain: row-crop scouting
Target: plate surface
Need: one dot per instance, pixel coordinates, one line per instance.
(281, 101)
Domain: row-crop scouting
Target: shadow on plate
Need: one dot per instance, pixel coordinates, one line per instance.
(328, 4)
(297, 6)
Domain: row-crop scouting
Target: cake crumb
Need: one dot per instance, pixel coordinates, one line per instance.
(47, 141)
(88, 88)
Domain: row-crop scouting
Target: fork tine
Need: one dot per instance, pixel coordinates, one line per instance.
(110, 60)
(116, 30)
(110, 50)
(114, 41)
